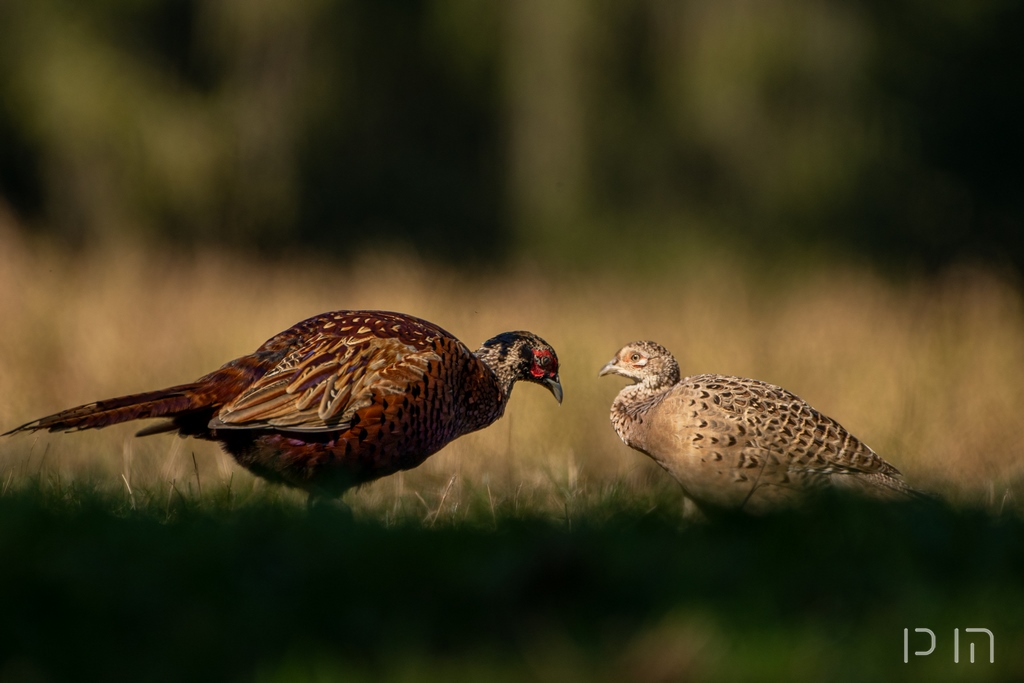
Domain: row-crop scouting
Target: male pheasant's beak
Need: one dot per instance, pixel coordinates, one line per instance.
(554, 387)
(610, 368)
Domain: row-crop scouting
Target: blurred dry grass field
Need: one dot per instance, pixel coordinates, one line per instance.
(927, 371)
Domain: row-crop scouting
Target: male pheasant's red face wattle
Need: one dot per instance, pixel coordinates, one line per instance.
(544, 364)
(544, 370)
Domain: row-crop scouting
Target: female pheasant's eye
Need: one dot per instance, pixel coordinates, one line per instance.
(635, 357)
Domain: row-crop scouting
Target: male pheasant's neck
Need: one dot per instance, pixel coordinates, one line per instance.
(631, 404)
(497, 382)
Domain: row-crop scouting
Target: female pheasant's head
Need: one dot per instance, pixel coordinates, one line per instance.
(645, 362)
(522, 356)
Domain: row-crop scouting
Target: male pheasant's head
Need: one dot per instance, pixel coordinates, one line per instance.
(522, 356)
(645, 362)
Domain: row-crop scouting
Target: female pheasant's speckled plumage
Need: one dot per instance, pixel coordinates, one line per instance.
(735, 443)
(339, 399)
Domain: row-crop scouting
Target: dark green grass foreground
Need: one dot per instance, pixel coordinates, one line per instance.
(93, 590)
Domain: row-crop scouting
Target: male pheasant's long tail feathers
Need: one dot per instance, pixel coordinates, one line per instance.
(171, 402)
(189, 407)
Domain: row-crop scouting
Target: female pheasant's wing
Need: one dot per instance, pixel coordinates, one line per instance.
(773, 437)
(321, 384)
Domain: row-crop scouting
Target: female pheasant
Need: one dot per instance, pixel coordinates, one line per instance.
(337, 400)
(735, 443)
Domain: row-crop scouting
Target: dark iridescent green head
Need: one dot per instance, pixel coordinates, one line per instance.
(522, 356)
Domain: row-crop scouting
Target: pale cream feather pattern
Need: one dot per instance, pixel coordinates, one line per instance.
(737, 443)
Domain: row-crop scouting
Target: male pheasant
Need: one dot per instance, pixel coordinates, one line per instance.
(735, 443)
(337, 400)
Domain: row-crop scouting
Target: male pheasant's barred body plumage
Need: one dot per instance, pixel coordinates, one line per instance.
(735, 443)
(339, 399)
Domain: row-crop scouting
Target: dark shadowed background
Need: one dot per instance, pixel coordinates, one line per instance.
(473, 132)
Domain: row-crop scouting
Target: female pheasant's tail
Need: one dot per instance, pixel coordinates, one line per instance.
(172, 402)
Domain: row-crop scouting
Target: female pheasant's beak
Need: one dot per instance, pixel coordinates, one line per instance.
(611, 368)
(554, 387)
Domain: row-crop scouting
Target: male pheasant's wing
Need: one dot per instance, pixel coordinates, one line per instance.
(342, 364)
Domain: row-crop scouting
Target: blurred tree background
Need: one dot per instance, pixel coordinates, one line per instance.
(572, 133)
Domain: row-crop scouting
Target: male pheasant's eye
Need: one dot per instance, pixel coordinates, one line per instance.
(545, 361)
